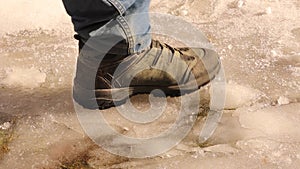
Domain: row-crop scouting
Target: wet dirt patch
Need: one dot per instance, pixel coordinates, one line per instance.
(94, 157)
(4, 139)
(78, 162)
(7, 124)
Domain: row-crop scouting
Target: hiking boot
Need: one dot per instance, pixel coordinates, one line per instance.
(175, 71)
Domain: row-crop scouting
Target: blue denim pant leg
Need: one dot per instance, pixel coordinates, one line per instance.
(137, 17)
(132, 24)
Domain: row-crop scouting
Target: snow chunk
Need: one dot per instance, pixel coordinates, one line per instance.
(28, 78)
(236, 4)
(240, 3)
(184, 12)
(268, 10)
(283, 100)
(5, 126)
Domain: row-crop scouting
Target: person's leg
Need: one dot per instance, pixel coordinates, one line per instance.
(122, 25)
(132, 61)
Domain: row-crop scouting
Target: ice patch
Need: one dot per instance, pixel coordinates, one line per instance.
(269, 150)
(278, 122)
(27, 78)
(238, 95)
(258, 145)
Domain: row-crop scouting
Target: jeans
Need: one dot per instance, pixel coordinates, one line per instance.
(124, 19)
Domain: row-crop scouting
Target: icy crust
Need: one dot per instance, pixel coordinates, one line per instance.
(245, 139)
(258, 42)
(27, 78)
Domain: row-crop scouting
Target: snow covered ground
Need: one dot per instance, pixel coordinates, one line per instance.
(258, 41)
